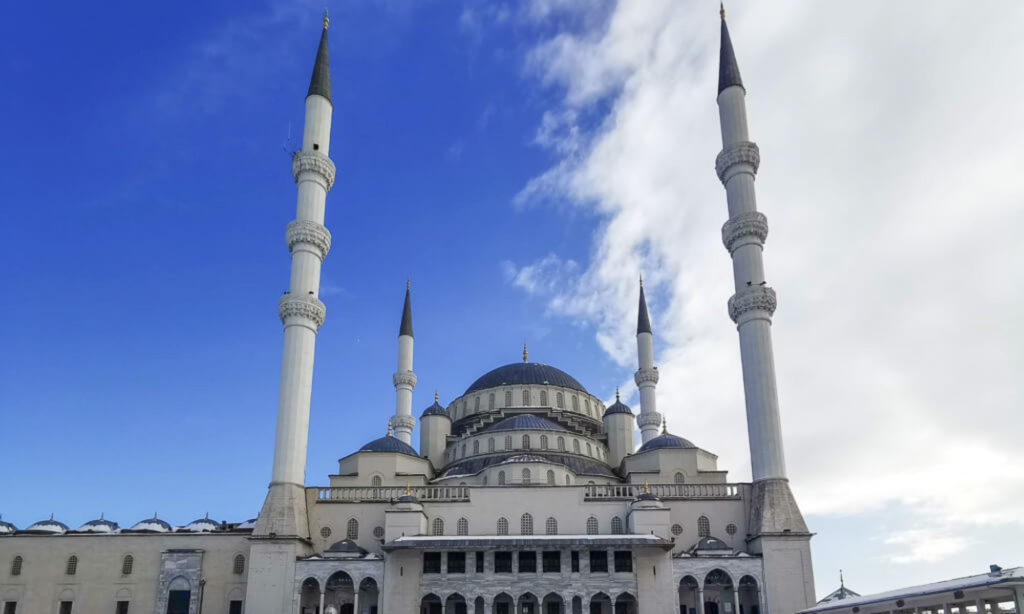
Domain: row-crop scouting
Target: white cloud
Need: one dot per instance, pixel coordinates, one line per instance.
(889, 142)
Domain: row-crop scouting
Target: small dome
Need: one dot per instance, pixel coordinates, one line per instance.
(202, 525)
(525, 373)
(389, 444)
(48, 526)
(527, 422)
(248, 525)
(7, 528)
(618, 407)
(646, 496)
(345, 546)
(711, 543)
(666, 440)
(408, 499)
(152, 525)
(435, 410)
(100, 525)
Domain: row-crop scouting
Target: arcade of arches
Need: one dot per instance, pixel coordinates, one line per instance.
(338, 595)
(719, 594)
(528, 603)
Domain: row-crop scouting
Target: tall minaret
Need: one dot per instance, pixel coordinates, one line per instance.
(646, 376)
(284, 512)
(404, 379)
(774, 515)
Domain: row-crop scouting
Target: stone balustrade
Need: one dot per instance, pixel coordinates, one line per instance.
(591, 492)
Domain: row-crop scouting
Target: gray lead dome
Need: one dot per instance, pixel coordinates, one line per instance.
(525, 373)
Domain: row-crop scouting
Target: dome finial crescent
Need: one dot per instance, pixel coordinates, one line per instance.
(524, 352)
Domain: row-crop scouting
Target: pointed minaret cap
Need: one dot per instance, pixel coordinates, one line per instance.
(320, 83)
(643, 321)
(406, 327)
(728, 70)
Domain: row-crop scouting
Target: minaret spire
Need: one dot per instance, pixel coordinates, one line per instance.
(646, 376)
(320, 82)
(404, 379)
(728, 69)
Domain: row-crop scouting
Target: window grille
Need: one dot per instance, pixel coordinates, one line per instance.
(526, 397)
(72, 567)
(560, 400)
(438, 526)
(126, 565)
(576, 446)
(239, 565)
(616, 526)
(551, 526)
(526, 442)
(490, 444)
(490, 401)
(16, 566)
(526, 476)
(376, 481)
(501, 478)
(730, 529)
(678, 478)
(703, 527)
(476, 446)
(575, 403)
(551, 477)
(543, 397)
(526, 524)
(508, 398)
(591, 526)
(462, 527)
(543, 442)
(503, 526)
(677, 529)
(352, 530)
(508, 442)
(378, 532)
(561, 443)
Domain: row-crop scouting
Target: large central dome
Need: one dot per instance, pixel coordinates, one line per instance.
(519, 373)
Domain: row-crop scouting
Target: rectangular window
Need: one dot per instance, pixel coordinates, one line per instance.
(431, 562)
(598, 561)
(623, 560)
(479, 562)
(235, 607)
(527, 562)
(456, 562)
(10, 607)
(122, 607)
(552, 561)
(65, 607)
(575, 561)
(502, 562)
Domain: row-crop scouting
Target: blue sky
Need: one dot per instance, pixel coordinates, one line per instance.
(521, 163)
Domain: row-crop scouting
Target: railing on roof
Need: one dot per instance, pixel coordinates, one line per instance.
(378, 494)
(595, 492)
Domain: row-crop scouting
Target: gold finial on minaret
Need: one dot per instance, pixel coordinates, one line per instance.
(407, 491)
(389, 427)
(524, 352)
(641, 280)
(647, 488)
(841, 585)
(616, 394)
(326, 20)
(721, 9)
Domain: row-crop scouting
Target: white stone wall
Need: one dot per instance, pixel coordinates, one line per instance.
(539, 397)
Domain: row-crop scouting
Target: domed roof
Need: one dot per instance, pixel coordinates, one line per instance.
(711, 543)
(248, 525)
(100, 525)
(525, 422)
(201, 525)
(408, 499)
(388, 443)
(7, 528)
(666, 440)
(618, 407)
(519, 373)
(47, 526)
(435, 410)
(152, 525)
(345, 546)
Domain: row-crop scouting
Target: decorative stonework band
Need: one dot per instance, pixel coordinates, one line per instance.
(403, 423)
(316, 163)
(307, 307)
(404, 378)
(646, 376)
(743, 229)
(752, 298)
(309, 232)
(744, 152)
(649, 419)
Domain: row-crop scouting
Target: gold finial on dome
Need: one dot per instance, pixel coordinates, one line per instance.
(647, 488)
(389, 427)
(524, 352)
(326, 20)
(407, 491)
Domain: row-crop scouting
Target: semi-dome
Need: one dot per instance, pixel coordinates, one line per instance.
(389, 444)
(520, 373)
(201, 525)
(100, 525)
(525, 422)
(711, 543)
(7, 528)
(151, 525)
(666, 440)
(345, 547)
(48, 526)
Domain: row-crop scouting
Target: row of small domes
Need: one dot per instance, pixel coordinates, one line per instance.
(102, 525)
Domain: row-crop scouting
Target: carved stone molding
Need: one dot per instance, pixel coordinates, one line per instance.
(744, 152)
(306, 231)
(646, 376)
(752, 298)
(316, 163)
(403, 423)
(404, 378)
(648, 419)
(307, 307)
(745, 228)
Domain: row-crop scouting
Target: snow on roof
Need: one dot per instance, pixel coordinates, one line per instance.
(1014, 574)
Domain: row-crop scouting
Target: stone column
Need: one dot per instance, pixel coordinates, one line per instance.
(321, 611)
(355, 602)
(736, 599)
(700, 600)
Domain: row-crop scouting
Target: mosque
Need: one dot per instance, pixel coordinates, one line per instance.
(526, 495)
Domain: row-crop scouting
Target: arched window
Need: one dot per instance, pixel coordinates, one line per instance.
(526, 442)
(501, 478)
(465, 406)
(490, 444)
(543, 397)
(551, 477)
(591, 526)
(352, 530)
(508, 442)
(126, 565)
(490, 401)
(526, 398)
(476, 403)
(561, 443)
(560, 400)
(72, 566)
(462, 527)
(590, 450)
(526, 476)
(526, 524)
(376, 481)
(703, 527)
(463, 455)
(476, 446)
(586, 404)
(616, 526)
(508, 398)
(575, 403)
(16, 565)
(568, 480)
(503, 526)
(576, 446)
(543, 442)
(438, 526)
(239, 565)
(551, 526)
(678, 478)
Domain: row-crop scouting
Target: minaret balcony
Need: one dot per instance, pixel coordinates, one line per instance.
(752, 302)
(735, 157)
(306, 309)
(313, 166)
(648, 419)
(308, 232)
(745, 229)
(404, 379)
(647, 376)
